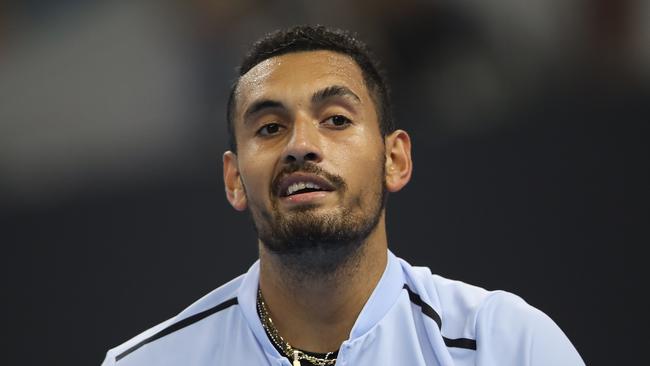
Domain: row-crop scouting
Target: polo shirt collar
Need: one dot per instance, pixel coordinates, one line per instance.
(381, 300)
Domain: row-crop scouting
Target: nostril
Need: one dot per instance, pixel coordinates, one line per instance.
(293, 158)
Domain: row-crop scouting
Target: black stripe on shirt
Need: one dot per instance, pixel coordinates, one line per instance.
(428, 311)
(179, 325)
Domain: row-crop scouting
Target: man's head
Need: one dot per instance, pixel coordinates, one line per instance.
(313, 161)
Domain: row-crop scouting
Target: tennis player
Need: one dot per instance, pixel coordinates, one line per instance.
(314, 155)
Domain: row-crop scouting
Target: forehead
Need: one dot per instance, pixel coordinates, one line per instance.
(299, 74)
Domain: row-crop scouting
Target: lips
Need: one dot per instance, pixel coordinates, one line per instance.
(298, 183)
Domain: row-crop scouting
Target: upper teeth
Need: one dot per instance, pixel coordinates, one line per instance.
(301, 185)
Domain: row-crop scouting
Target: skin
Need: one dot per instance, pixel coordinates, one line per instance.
(312, 313)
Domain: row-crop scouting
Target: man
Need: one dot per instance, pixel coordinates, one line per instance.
(314, 154)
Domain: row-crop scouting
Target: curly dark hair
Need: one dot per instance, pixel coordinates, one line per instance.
(313, 38)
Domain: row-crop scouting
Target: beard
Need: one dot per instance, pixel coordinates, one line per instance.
(312, 244)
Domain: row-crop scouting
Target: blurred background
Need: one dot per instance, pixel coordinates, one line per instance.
(528, 118)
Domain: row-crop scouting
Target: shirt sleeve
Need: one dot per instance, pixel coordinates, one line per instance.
(509, 332)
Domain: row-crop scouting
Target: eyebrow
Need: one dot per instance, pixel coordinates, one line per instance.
(261, 105)
(318, 97)
(333, 91)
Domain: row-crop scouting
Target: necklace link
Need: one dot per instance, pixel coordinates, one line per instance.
(292, 353)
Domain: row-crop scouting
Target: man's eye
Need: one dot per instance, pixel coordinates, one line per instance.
(338, 121)
(270, 129)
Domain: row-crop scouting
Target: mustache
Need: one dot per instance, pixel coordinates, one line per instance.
(310, 168)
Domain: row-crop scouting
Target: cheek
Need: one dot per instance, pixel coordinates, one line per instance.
(361, 166)
(256, 176)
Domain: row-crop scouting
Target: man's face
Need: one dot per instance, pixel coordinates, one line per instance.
(310, 153)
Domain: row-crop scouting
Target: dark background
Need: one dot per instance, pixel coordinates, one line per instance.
(528, 119)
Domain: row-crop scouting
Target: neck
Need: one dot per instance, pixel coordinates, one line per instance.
(317, 313)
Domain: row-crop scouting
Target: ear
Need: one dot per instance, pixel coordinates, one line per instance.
(232, 180)
(398, 160)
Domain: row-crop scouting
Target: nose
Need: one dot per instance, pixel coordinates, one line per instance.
(304, 143)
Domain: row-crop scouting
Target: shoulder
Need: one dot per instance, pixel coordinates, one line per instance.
(506, 329)
(513, 332)
(214, 302)
(456, 302)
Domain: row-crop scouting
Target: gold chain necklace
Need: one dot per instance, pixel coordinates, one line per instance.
(289, 351)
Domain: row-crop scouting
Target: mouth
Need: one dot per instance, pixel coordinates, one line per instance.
(299, 184)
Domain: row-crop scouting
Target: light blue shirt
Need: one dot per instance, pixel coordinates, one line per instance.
(412, 318)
